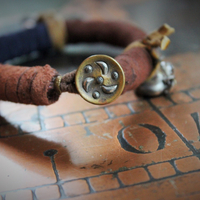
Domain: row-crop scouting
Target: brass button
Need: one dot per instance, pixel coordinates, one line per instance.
(100, 79)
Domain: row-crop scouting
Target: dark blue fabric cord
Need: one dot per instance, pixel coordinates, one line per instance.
(24, 42)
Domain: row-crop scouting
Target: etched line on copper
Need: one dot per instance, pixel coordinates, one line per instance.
(115, 173)
(151, 178)
(121, 185)
(172, 126)
(195, 117)
(172, 162)
(51, 153)
(89, 185)
(161, 137)
(34, 195)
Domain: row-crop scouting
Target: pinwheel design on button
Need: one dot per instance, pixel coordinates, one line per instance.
(100, 79)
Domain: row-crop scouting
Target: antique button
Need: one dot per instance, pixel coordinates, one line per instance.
(100, 79)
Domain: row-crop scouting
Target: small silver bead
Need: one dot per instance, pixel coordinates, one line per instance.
(115, 75)
(96, 95)
(99, 80)
(88, 69)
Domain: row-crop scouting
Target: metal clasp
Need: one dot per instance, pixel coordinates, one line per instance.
(161, 80)
(100, 79)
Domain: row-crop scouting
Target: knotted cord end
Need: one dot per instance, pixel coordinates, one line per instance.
(66, 83)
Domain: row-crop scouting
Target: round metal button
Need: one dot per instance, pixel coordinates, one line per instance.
(100, 79)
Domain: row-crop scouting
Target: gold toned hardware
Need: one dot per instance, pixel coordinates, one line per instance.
(135, 44)
(56, 28)
(100, 79)
(57, 84)
(157, 38)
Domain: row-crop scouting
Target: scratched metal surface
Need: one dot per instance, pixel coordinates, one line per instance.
(133, 148)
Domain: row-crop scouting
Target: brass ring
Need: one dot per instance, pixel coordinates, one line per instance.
(57, 84)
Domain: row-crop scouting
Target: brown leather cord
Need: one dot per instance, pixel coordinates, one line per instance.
(110, 32)
(67, 83)
(136, 63)
(27, 85)
(36, 85)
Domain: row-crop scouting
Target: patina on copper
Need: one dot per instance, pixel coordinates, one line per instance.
(100, 79)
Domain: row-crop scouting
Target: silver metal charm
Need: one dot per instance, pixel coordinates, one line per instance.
(161, 80)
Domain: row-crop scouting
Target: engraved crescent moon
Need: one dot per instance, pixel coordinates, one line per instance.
(103, 66)
(109, 89)
(87, 82)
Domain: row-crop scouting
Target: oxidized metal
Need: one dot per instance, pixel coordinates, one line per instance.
(100, 79)
(161, 80)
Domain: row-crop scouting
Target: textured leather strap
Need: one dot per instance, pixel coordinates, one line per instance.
(136, 63)
(36, 85)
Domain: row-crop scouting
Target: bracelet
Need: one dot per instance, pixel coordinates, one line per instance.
(99, 79)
